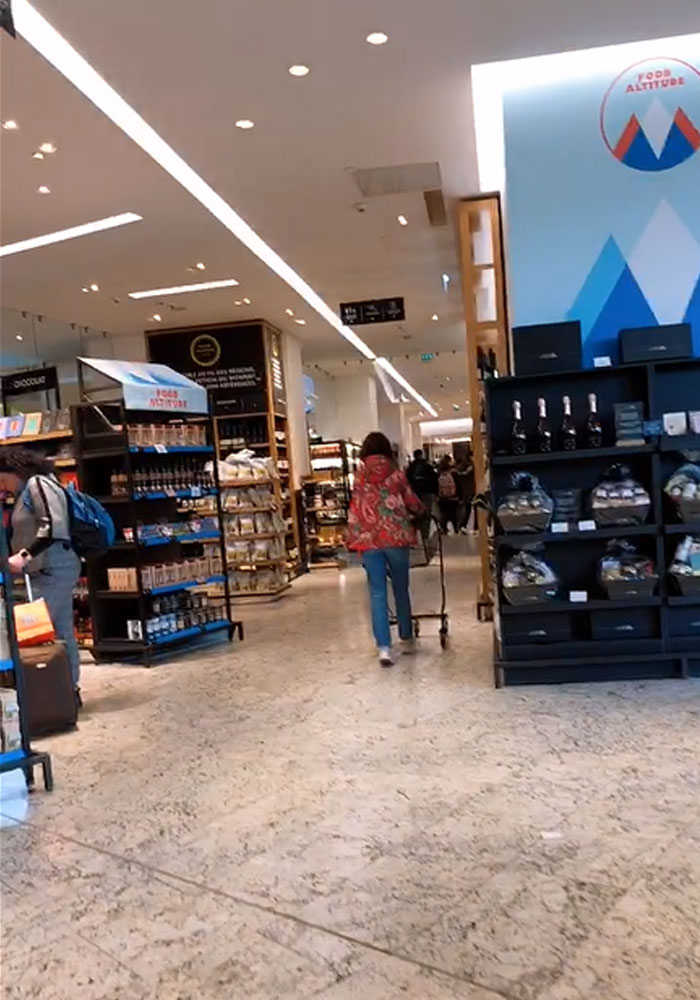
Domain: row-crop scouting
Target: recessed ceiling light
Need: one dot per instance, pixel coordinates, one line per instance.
(156, 317)
(238, 302)
(435, 317)
(43, 189)
(377, 38)
(85, 289)
(403, 221)
(37, 155)
(47, 147)
(10, 125)
(94, 287)
(18, 336)
(245, 123)
(70, 234)
(299, 70)
(300, 322)
(289, 312)
(247, 301)
(198, 286)
(200, 265)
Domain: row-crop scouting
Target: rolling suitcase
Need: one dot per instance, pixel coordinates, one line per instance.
(51, 701)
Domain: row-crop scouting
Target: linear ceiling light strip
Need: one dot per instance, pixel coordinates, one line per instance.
(398, 377)
(98, 226)
(57, 51)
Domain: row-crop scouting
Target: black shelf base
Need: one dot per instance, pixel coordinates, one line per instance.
(565, 670)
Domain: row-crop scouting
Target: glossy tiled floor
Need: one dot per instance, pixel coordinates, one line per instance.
(284, 819)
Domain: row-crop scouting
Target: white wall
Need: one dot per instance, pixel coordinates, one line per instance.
(346, 407)
(293, 372)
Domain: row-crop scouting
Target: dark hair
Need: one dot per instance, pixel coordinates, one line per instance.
(376, 443)
(24, 463)
(445, 463)
(418, 453)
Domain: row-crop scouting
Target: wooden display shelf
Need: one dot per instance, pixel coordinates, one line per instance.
(249, 510)
(36, 438)
(246, 484)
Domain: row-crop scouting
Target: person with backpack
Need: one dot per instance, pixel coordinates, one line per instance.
(51, 528)
(448, 495)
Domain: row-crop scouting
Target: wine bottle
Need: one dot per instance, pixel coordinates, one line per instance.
(567, 431)
(518, 434)
(594, 428)
(544, 431)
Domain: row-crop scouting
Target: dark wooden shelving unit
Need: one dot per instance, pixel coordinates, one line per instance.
(597, 639)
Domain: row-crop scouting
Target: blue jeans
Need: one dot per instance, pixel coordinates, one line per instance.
(395, 563)
(55, 582)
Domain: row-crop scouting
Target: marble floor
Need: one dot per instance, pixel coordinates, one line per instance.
(284, 819)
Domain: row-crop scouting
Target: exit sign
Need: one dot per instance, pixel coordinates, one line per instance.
(427, 357)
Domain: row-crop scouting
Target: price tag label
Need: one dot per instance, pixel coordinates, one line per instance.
(587, 526)
(560, 528)
(196, 491)
(578, 596)
(602, 362)
(161, 449)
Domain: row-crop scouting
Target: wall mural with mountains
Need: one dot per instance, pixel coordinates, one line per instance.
(603, 200)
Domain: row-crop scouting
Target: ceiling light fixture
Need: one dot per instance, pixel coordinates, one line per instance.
(156, 317)
(377, 38)
(47, 147)
(245, 123)
(37, 155)
(198, 286)
(403, 221)
(299, 70)
(300, 322)
(85, 289)
(247, 301)
(70, 234)
(94, 287)
(398, 377)
(289, 312)
(18, 336)
(238, 302)
(435, 317)
(49, 43)
(10, 125)
(43, 189)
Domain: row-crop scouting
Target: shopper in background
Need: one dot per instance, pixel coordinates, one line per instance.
(424, 481)
(41, 541)
(380, 527)
(448, 495)
(467, 488)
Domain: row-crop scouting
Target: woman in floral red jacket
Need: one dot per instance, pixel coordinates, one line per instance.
(379, 526)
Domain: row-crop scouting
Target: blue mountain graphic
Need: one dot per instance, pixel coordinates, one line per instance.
(692, 316)
(676, 149)
(640, 155)
(625, 307)
(598, 286)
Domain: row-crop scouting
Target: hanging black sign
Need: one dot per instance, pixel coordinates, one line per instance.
(372, 311)
(6, 19)
(32, 380)
(229, 361)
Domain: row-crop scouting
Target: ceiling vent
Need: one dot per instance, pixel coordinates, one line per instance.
(435, 207)
(376, 181)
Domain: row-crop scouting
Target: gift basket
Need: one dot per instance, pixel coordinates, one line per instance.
(528, 579)
(624, 572)
(685, 568)
(526, 507)
(618, 499)
(684, 490)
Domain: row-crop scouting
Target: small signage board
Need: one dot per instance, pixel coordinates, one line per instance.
(372, 311)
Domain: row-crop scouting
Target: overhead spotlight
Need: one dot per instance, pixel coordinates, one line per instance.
(403, 221)
(94, 287)
(47, 147)
(289, 312)
(156, 317)
(43, 189)
(18, 336)
(238, 302)
(38, 155)
(435, 317)
(445, 281)
(377, 38)
(247, 301)
(84, 289)
(245, 123)
(10, 125)
(300, 322)
(299, 70)
(200, 265)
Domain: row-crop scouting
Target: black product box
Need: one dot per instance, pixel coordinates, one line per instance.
(656, 343)
(541, 628)
(624, 623)
(547, 347)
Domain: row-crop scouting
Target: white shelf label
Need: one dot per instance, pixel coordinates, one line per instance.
(560, 528)
(587, 526)
(161, 449)
(578, 596)
(604, 362)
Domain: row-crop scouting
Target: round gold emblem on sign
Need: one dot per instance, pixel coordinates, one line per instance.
(205, 350)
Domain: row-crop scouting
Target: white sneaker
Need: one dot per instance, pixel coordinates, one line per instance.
(385, 657)
(408, 646)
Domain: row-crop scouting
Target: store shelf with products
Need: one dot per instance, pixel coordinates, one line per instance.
(16, 751)
(617, 606)
(327, 493)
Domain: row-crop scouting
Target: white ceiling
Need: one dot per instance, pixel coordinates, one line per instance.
(192, 70)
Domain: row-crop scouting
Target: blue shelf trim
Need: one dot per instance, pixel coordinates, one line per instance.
(13, 755)
(193, 537)
(6, 665)
(162, 495)
(172, 588)
(187, 633)
(151, 449)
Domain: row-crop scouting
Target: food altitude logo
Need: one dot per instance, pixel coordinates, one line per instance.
(650, 118)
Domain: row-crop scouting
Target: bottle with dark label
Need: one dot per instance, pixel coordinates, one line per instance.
(567, 431)
(594, 428)
(544, 431)
(518, 435)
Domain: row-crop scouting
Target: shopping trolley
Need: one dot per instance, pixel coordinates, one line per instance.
(441, 615)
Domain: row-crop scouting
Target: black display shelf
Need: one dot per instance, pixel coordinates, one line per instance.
(573, 646)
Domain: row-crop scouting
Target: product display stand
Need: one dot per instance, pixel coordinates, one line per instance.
(327, 493)
(583, 635)
(164, 583)
(14, 730)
